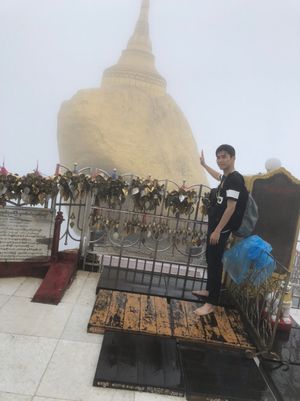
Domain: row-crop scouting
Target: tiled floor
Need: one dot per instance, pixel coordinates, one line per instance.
(295, 313)
(46, 353)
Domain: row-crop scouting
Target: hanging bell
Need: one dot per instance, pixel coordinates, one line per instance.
(115, 235)
(181, 198)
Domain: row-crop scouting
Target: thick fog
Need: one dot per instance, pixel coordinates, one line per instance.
(232, 66)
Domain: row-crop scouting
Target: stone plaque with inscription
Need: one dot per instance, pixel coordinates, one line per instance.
(26, 234)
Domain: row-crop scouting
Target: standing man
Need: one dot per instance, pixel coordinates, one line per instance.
(225, 215)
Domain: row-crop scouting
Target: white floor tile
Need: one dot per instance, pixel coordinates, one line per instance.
(97, 394)
(295, 313)
(72, 293)
(23, 360)
(29, 287)
(47, 399)
(3, 299)
(28, 363)
(8, 286)
(21, 316)
(108, 394)
(88, 293)
(14, 397)
(76, 328)
(71, 371)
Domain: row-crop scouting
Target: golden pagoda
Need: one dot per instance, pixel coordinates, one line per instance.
(130, 122)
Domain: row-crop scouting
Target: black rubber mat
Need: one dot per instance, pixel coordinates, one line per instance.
(284, 376)
(214, 373)
(284, 379)
(287, 346)
(139, 362)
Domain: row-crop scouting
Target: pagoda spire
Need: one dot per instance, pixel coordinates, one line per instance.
(136, 65)
(140, 39)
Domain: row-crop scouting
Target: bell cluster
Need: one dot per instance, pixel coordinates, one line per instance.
(146, 194)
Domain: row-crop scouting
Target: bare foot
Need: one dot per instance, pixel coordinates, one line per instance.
(204, 310)
(201, 293)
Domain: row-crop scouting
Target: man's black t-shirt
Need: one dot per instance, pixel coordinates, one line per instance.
(231, 187)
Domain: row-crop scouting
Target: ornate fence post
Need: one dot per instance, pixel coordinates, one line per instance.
(55, 242)
(85, 234)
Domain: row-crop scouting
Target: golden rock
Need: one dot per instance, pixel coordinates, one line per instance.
(130, 123)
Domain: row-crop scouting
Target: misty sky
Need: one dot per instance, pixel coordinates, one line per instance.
(233, 66)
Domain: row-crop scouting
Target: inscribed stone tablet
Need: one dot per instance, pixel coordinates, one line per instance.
(25, 234)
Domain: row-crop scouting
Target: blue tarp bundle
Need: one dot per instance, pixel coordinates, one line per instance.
(249, 259)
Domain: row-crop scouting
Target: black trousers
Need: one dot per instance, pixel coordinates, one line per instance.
(214, 254)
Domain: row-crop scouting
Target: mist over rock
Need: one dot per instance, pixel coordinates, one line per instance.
(130, 122)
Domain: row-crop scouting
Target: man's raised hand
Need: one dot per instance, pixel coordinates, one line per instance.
(202, 160)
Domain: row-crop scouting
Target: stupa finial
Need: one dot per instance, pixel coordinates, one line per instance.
(140, 39)
(136, 65)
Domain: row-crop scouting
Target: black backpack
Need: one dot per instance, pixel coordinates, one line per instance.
(249, 219)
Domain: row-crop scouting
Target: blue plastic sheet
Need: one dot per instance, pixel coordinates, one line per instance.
(249, 259)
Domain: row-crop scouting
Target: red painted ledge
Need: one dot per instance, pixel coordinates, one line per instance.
(59, 276)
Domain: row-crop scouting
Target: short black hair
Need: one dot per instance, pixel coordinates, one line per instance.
(226, 148)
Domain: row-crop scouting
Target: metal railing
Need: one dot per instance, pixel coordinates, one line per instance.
(158, 233)
(165, 239)
(259, 298)
(127, 217)
(163, 242)
(295, 281)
